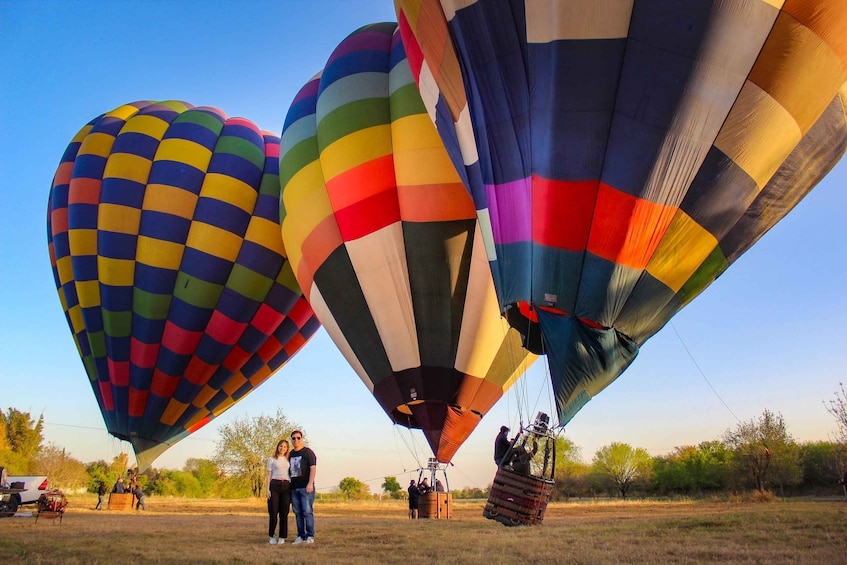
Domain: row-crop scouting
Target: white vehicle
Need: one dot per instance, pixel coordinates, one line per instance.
(33, 487)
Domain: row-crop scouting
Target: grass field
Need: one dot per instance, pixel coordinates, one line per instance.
(233, 531)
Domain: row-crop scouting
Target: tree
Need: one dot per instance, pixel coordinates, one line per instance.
(23, 436)
(821, 462)
(622, 465)
(764, 452)
(206, 473)
(63, 470)
(838, 408)
(354, 488)
(176, 483)
(246, 444)
(692, 469)
(392, 487)
(571, 474)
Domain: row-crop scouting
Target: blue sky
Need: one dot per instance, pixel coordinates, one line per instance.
(767, 335)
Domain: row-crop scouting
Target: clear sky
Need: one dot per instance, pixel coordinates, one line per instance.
(769, 334)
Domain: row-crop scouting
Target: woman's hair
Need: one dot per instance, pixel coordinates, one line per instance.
(276, 451)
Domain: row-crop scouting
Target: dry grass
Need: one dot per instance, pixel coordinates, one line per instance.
(233, 531)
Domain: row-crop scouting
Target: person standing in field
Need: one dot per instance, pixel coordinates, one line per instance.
(101, 495)
(414, 497)
(303, 468)
(277, 491)
(139, 496)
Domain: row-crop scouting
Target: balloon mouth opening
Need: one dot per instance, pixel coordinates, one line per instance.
(522, 317)
(408, 415)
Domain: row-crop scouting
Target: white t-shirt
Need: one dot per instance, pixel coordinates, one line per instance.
(278, 468)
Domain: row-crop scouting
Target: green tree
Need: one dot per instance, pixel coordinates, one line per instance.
(621, 465)
(24, 436)
(470, 492)
(692, 469)
(206, 473)
(764, 453)
(571, 473)
(246, 444)
(98, 471)
(170, 482)
(392, 487)
(354, 488)
(821, 463)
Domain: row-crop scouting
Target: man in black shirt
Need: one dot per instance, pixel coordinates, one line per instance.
(302, 469)
(501, 445)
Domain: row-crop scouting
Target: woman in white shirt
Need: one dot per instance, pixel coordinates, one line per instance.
(277, 491)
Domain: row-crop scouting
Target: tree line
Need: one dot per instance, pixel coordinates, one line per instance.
(758, 455)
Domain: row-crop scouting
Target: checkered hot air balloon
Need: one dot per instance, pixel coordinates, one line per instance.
(383, 239)
(622, 154)
(163, 229)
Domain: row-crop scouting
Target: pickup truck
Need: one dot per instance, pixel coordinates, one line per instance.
(33, 487)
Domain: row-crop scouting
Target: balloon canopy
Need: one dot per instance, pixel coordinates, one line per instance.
(383, 239)
(163, 229)
(622, 154)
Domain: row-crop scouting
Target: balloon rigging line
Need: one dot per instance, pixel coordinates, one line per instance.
(413, 451)
(702, 374)
(397, 451)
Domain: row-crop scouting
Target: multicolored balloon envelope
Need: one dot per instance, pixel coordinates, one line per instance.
(163, 228)
(383, 239)
(623, 153)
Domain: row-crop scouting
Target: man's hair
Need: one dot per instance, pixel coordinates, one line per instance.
(297, 432)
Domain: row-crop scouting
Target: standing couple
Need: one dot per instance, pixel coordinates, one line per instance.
(291, 480)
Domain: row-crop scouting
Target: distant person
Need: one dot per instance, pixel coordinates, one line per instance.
(4, 478)
(501, 445)
(119, 487)
(278, 493)
(101, 495)
(139, 496)
(843, 481)
(414, 498)
(303, 465)
(424, 486)
(438, 486)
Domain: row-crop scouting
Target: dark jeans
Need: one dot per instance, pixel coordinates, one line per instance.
(302, 503)
(278, 505)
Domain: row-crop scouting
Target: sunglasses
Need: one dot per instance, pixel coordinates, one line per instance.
(298, 438)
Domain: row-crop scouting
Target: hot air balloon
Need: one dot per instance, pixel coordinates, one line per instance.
(622, 154)
(382, 238)
(163, 229)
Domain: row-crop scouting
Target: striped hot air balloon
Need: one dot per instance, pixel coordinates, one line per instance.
(383, 239)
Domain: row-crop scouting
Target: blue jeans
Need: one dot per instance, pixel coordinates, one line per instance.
(302, 502)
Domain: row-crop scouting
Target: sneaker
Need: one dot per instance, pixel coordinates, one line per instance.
(310, 539)
(280, 541)
(272, 541)
(297, 540)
